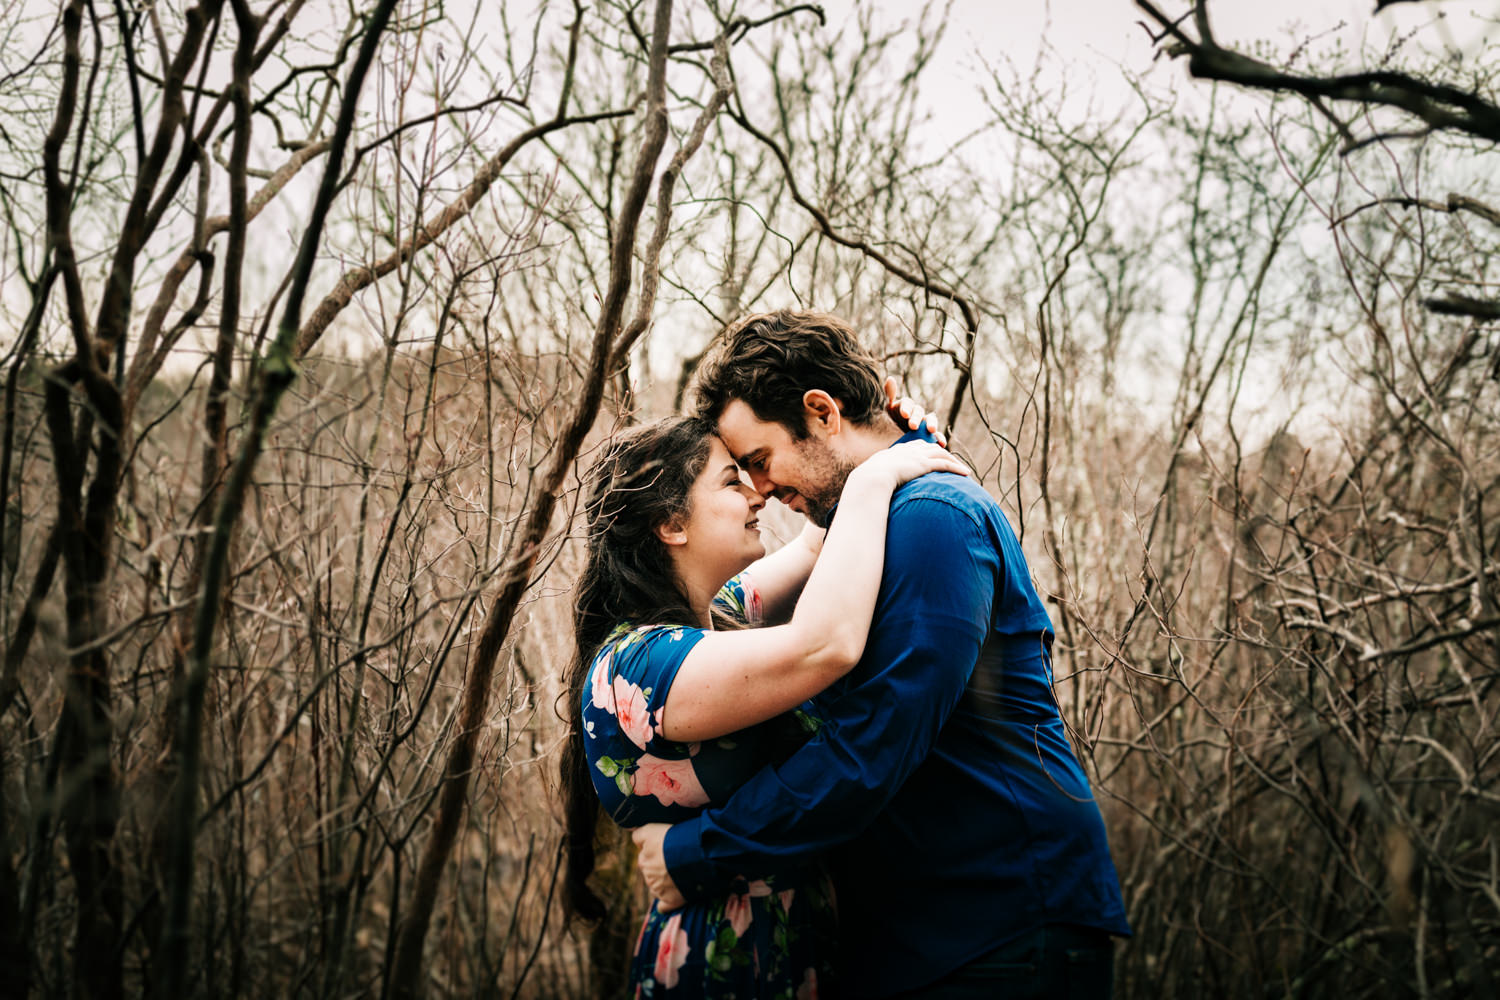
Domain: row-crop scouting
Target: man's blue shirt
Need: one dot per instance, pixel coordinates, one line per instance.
(942, 791)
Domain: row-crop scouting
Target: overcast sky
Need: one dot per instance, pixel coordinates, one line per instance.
(1110, 28)
(1093, 37)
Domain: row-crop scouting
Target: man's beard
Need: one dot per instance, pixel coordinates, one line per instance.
(823, 476)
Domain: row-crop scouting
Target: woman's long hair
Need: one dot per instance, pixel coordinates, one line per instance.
(641, 482)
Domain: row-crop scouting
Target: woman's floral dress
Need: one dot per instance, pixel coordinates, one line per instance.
(768, 938)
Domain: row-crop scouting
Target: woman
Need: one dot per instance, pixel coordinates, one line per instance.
(678, 704)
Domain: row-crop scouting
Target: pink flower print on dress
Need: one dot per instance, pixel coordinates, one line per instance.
(758, 888)
(673, 782)
(809, 988)
(599, 693)
(630, 710)
(671, 952)
(785, 895)
(737, 912)
(641, 936)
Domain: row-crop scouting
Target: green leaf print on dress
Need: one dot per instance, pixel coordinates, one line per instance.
(619, 769)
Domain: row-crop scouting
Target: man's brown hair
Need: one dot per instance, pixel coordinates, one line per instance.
(771, 359)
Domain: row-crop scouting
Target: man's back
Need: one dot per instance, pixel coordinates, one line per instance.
(994, 830)
(941, 789)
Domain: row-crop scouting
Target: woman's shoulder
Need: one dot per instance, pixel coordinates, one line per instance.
(632, 672)
(627, 640)
(628, 633)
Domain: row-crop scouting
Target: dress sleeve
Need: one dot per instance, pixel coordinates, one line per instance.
(631, 678)
(740, 600)
(931, 618)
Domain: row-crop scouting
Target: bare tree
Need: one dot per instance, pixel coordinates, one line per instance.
(1309, 650)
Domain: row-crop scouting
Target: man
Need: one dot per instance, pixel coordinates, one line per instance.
(966, 849)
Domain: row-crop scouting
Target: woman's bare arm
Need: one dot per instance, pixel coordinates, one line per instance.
(731, 680)
(780, 576)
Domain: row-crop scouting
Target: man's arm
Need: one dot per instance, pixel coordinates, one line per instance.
(931, 619)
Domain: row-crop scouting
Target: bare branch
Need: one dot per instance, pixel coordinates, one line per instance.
(358, 278)
(153, 349)
(651, 269)
(274, 375)
(526, 544)
(1441, 106)
(1463, 305)
(59, 211)
(738, 27)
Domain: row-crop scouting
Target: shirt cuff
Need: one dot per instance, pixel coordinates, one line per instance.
(682, 850)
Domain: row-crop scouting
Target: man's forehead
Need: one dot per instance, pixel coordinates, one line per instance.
(743, 432)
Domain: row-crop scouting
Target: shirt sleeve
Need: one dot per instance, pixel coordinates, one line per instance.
(931, 617)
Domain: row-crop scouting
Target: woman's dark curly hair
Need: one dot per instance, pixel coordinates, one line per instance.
(640, 482)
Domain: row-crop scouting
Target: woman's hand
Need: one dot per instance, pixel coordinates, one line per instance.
(908, 412)
(901, 463)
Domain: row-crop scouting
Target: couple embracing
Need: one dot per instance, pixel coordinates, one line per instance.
(844, 767)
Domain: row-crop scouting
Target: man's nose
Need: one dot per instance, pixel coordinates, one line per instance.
(762, 484)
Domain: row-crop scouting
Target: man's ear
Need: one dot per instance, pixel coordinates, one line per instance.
(822, 411)
(672, 532)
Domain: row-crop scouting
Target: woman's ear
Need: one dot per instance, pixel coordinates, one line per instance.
(822, 411)
(673, 532)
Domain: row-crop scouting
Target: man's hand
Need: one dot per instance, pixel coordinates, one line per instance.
(653, 865)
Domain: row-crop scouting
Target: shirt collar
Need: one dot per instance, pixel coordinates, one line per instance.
(921, 434)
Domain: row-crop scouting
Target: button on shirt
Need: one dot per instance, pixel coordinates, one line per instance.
(941, 790)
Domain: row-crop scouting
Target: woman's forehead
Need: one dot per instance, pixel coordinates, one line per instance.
(718, 454)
